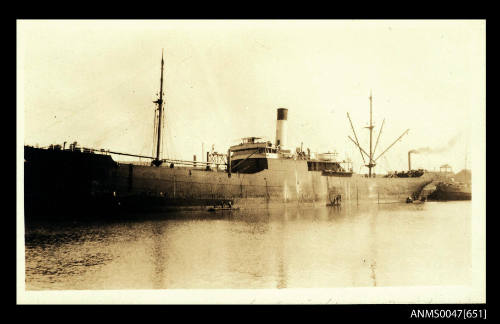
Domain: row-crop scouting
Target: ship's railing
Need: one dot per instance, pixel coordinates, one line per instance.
(200, 164)
(217, 166)
(207, 165)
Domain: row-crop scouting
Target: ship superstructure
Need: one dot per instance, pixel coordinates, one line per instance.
(252, 154)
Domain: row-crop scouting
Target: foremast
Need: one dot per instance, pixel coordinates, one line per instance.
(158, 119)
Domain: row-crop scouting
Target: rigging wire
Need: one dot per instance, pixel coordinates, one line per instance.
(83, 107)
(163, 127)
(91, 104)
(112, 131)
(155, 130)
(162, 144)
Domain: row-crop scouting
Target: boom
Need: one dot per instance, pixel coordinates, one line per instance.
(405, 132)
(356, 137)
(360, 149)
(378, 137)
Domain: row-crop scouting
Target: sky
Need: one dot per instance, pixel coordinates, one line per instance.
(94, 82)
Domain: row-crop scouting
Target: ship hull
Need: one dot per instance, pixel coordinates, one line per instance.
(286, 181)
(76, 183)
(444, 196)
(447, 191)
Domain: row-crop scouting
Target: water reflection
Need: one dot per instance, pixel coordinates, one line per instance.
(157, 277)
(341, 246)
(280, 255)
(373, 246)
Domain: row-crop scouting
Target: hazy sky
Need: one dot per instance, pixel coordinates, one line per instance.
(95, 81)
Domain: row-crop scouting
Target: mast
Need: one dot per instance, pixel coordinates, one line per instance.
(370, 164)
(157, 160)
(371, 127)
(372, 161)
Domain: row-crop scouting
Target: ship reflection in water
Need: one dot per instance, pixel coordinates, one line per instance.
(342, 246)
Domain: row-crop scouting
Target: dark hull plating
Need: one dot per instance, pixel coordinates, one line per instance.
(66, 183)
(446, 191)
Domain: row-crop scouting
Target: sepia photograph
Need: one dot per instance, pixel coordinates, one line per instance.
(251, 161)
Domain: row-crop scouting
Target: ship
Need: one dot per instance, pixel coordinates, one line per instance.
(446, 185)
(451, 186)
(255, 173)
(445, 191)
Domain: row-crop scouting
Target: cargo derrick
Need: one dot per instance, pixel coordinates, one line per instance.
(371, 160)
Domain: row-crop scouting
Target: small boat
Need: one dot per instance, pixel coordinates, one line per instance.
(223, 205)
(410, 200)
(335, 200)
(216, 208)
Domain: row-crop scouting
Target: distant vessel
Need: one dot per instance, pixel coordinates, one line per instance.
(60, 180)
(445, 186)
(448, 188)
(451, 191)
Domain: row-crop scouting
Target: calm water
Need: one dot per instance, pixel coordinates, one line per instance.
(348, 246)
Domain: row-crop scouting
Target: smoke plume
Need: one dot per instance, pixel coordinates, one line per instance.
(439, 149)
